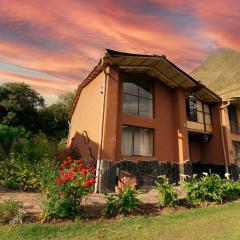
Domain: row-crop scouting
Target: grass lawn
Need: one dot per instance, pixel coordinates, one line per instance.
(217, 222)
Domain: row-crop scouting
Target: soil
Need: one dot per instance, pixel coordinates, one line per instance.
(92, 205)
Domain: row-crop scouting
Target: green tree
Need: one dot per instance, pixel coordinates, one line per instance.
(19, 104)
(54, 118)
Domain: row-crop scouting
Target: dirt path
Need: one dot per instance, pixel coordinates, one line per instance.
(32, 202)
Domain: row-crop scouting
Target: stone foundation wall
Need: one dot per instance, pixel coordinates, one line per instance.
(146, 172)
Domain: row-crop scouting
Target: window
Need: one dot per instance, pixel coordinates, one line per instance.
(191, 106)
(137, 141)
(198, 111)
(233, 119)
(137, 95)
(236, 152)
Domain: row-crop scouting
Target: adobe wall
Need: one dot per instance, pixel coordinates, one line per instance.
(87, 117)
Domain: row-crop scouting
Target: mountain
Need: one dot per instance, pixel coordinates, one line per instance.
(220, 72)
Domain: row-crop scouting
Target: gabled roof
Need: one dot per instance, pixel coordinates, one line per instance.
(154, 65)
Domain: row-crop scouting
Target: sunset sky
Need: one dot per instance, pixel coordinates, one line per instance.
(53, 44)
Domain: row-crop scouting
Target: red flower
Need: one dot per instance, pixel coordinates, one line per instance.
(89, 182)
(85, 172)
(79, 161)
(89, 165)
(58, 180)
(62, 164)
(73, 169)
(66, 178)
(81, 165)
(62, 173)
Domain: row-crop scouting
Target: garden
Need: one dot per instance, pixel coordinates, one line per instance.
(34, 159)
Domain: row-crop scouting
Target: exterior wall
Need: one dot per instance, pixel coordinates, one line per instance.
(195, 149)
(212, 152)
(163, 124)
(111, 114)
(87, 117)
(228, 136)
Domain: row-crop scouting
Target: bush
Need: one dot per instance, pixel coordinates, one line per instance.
(167, 195)
(11, 212)
(121, 203)
(73, 181)
(28, 163)
(231, 189)
(211, 189)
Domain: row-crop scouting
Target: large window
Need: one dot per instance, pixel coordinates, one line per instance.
(198, 111)
(137, 95)
(233, 119)
(137, 141)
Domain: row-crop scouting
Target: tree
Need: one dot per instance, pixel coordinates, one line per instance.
(54, 118)
(19, 104)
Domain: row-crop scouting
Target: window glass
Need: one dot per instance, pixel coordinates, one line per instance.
(208, 118)
(130, 88)
(199, 105)
(137, 141)
(233, 119)
(191, 107)
(206, 108)
(130, 104)
(145, 107)
(127, 141)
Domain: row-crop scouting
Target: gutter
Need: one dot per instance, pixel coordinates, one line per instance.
(99, 155)
(223, 139)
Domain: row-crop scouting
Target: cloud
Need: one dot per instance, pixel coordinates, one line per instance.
(53, 44)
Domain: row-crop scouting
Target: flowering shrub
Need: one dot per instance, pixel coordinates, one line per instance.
(73, 181)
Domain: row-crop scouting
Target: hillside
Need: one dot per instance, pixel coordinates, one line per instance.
(221, 73)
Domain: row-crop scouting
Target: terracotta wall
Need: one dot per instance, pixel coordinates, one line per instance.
(212, 152)
(164, 123)
(87, 117)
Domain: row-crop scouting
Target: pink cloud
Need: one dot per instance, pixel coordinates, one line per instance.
(64, 39)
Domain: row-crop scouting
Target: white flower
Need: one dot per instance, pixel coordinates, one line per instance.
(205, 174)
(227, 175)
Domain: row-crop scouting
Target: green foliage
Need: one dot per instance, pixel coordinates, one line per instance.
(66, 189)
(54, 118)
(211, 188)
(19, 104)
(167, 194)
(26, 167)
(9, 136)
(121, 203)
(11, 212)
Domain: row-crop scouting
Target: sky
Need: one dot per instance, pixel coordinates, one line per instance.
(52, 45)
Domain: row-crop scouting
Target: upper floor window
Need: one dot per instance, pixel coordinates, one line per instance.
(233, 119)
(197, 111)
(138, 95)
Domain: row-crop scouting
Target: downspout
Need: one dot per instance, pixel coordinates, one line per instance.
(223, 139)
(99, 155)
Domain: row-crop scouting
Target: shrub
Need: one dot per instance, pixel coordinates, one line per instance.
(231, 189)
(121, 203)
(167, 195)
(73, 181)
(11, 212)
(27, 165)
(211, 189)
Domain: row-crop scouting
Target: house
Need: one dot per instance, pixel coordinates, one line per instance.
(140, 116)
